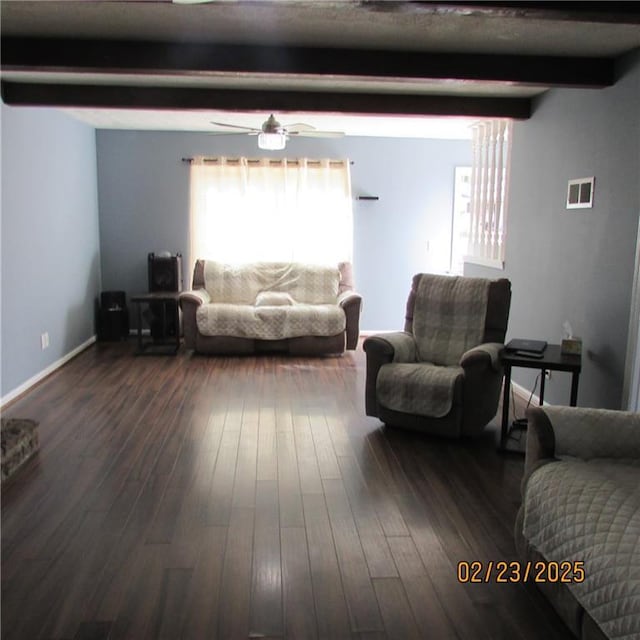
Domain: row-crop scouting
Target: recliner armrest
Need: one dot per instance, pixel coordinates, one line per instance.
(489, 352)
(382, 349)
(399, 346)
(196, 296)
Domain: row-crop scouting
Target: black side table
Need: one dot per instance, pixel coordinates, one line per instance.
(167, 301)
(551, 359)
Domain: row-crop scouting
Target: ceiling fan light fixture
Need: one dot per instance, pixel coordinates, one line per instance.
(272, 141)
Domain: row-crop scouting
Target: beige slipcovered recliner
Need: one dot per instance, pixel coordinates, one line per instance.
(442, 374)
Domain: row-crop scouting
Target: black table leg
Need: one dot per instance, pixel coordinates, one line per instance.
(574, 389)
(542, 381)
(176, 311)
(140, 327)
(505, 407)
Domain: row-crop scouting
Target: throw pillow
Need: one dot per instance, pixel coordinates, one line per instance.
(273, 299)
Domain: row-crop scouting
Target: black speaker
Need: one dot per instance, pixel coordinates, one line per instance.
(112, 300)
(165, 273)
(113, 316)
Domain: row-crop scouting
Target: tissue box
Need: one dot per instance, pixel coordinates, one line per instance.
(571, 346)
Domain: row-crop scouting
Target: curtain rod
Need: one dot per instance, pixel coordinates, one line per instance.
(190, 160)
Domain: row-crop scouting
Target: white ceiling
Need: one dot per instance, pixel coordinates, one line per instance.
(452, 128)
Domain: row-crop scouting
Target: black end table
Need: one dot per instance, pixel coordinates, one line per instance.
(553, 360)
(168, 301)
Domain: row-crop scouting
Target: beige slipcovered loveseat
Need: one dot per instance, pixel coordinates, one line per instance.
(296, 308)
(579, 524)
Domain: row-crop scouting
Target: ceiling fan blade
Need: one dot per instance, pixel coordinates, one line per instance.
(231, 133)
(299, 126)
(317, 134)
(236, 126)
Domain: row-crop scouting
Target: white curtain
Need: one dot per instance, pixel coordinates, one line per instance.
(282, 210)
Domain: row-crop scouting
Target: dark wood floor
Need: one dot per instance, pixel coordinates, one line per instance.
(194, 497)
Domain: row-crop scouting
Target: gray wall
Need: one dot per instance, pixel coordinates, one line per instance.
(144, 206)
(576, 265)
(50, 245)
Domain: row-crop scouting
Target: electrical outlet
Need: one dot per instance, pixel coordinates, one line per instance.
(547, 374)
(44, 340)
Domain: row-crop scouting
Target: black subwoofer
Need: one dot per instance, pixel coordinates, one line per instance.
(165, 274)
(113, 316)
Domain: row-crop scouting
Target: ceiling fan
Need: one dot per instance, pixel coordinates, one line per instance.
(273, 136)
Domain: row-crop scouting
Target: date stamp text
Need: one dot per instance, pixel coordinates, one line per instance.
(503, 571)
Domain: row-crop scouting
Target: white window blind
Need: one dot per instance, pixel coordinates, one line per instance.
(491, 145)
(245, 210)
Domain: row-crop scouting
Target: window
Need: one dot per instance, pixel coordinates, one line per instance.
(489, 181)
(246, 210)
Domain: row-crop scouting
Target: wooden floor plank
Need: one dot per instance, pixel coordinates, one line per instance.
(330, 605)
(266, 592)
(372, 538)
(298, 603)
(359, 593)
(398, 619)
(235, 588)
(424, 602)
(202, 497)
(169, 612)
(202, 606)
(289, 490)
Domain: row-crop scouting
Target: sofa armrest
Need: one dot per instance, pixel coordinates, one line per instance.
(189, 303)
(579, 432)
(351, 304)
(540, 443)
(382, 349)
(593, 433)
(487, 353)
(349, 297)
(195, 296)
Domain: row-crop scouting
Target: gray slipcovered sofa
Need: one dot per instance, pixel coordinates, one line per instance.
(581, 504)
(293, 308)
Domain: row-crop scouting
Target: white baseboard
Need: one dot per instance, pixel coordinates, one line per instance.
(373, 332)
(25, 386)
(524, 393)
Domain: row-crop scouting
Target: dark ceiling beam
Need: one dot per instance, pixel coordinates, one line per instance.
(107, 96)
(592, 11)
(107, 56)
